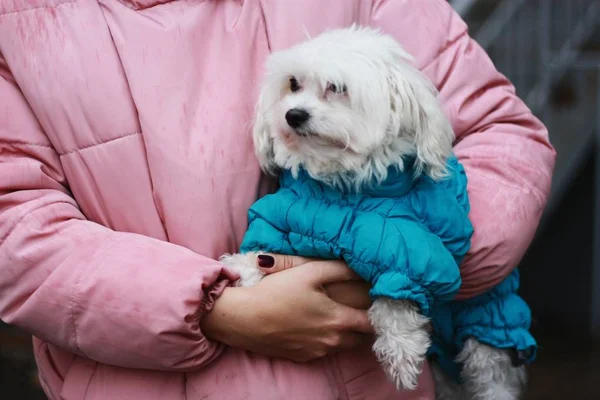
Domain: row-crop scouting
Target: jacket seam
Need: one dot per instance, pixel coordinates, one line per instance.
(37, 8)
(74, 290)
(264, 20)
(26, 144)
(447, 46)
(89, 146)
(159, 211)
(73, 303)
(28, 214)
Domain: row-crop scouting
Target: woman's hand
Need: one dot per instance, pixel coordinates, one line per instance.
(353, 293)
(289, 314)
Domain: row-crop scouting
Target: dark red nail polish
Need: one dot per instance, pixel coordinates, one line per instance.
(265, 261)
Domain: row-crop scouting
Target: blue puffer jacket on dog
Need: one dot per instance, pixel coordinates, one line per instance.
(405, 236)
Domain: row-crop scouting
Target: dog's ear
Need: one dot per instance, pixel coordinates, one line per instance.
(416, 111)
(261, 131)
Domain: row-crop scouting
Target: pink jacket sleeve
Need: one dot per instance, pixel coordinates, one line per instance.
(117, 298)
(503, 146)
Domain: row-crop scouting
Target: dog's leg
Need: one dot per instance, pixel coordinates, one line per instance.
(245, 266)
(446, 388)
(488, 373)
(402, 340)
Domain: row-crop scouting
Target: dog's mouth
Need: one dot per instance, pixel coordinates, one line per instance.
(305, 134)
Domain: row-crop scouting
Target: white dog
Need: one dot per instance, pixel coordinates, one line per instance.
(345, 106)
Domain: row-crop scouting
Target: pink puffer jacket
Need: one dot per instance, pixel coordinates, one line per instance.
(126, 168)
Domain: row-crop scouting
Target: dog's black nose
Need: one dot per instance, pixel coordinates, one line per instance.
(296, 117)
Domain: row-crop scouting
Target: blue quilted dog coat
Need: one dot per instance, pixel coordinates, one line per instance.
(407, 237)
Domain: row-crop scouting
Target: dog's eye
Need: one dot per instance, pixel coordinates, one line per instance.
(294, 86)
(335, 89)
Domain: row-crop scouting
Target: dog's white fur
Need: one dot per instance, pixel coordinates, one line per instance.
(487, 374)
(386, 110)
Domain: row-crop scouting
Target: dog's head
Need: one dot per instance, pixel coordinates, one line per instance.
(349, 103)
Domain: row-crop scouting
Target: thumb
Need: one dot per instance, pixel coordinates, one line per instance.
(271, 263)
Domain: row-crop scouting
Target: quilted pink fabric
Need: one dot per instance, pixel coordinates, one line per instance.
(126, 168)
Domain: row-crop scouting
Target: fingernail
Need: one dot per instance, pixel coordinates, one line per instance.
(265, 261)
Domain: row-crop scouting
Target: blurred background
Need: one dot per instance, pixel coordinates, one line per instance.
(550, 50)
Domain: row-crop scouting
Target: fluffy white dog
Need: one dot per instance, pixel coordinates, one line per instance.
(346, 106)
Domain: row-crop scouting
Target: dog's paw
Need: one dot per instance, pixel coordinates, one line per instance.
(445, 387)
(402, 359)
(402, 341)
(245, 266)
(488, 373)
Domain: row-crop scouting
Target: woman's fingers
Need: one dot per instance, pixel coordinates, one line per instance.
(323, 271)
(326, 272)
(351, 293)
(270, 263)
(356, 320)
